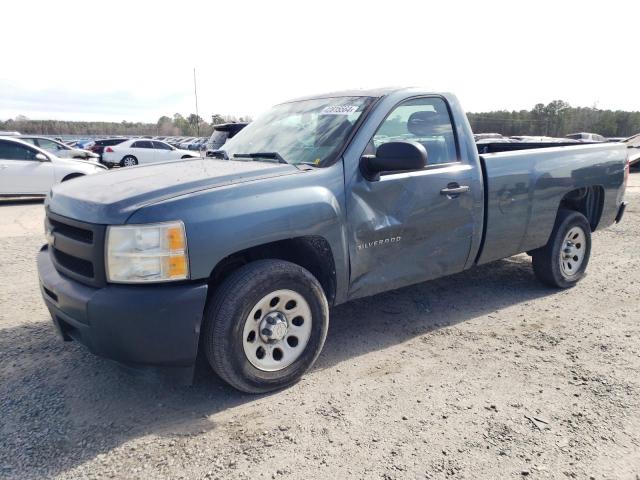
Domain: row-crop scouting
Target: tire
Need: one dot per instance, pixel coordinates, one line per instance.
(240, 301)
(563, 261)
(129, 161)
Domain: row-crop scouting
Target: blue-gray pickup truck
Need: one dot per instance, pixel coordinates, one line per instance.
(319, 201)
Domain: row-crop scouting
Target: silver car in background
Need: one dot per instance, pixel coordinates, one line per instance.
(59, 149)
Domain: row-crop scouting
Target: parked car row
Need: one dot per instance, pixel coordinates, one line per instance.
(94, 148)
(184, 143)
(126, 152)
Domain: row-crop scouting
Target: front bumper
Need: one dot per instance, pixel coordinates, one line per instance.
(152, 329)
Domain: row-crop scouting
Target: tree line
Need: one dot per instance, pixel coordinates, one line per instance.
(178, 125)
(557, 119)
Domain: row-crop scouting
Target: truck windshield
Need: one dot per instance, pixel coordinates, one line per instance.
(307, 131)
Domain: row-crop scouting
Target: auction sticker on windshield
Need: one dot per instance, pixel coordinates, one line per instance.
(339, 110)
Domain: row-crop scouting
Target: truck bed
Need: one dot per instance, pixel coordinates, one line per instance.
(510, 147)
(523, 189)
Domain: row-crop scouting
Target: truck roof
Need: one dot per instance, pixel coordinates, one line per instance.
(373, 92)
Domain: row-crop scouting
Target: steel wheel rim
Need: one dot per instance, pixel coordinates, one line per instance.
(572, 251)
(289, 334)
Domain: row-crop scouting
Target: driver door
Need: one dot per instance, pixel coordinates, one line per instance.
(404, 228)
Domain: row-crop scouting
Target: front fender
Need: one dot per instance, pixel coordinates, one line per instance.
(225, 220)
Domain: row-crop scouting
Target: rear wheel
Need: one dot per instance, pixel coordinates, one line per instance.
(265, 326)
(563, 261)
(129, 161)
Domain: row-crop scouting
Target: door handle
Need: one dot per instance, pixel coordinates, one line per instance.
(454, 189)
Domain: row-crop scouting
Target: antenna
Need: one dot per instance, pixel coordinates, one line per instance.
(195, 93)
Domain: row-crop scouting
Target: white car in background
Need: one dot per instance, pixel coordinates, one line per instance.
(59, 149)
(28, 170)
(141, 151)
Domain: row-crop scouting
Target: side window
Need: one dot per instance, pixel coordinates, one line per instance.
(14, 151)
(161, 146)
(423, 120)
(142, 144)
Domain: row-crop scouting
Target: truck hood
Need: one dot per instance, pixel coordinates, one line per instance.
(111, 197)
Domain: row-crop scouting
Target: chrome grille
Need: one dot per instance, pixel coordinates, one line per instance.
(76, 248)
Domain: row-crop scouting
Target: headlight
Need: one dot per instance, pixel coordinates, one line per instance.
(147, 253)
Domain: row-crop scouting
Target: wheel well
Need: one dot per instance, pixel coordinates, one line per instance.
(312, 252)
(72, 175)
(588, 201)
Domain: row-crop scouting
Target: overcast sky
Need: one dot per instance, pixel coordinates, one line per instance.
(134, 60)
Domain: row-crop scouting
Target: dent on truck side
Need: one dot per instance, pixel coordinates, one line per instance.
(223, 221)
(379, 214)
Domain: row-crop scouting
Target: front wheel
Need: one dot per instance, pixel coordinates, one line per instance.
(563, 261)
(265, 325)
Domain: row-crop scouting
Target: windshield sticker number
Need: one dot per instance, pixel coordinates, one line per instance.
(339, 110)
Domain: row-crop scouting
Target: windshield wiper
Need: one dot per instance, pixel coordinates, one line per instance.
(268, 155)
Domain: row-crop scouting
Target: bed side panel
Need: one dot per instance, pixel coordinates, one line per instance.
(525, 188)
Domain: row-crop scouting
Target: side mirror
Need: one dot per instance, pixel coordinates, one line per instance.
(41, 157)
(393, 157)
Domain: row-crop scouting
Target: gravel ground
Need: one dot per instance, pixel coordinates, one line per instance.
(485, 374)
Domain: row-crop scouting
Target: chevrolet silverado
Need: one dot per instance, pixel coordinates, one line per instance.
(319, 201)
